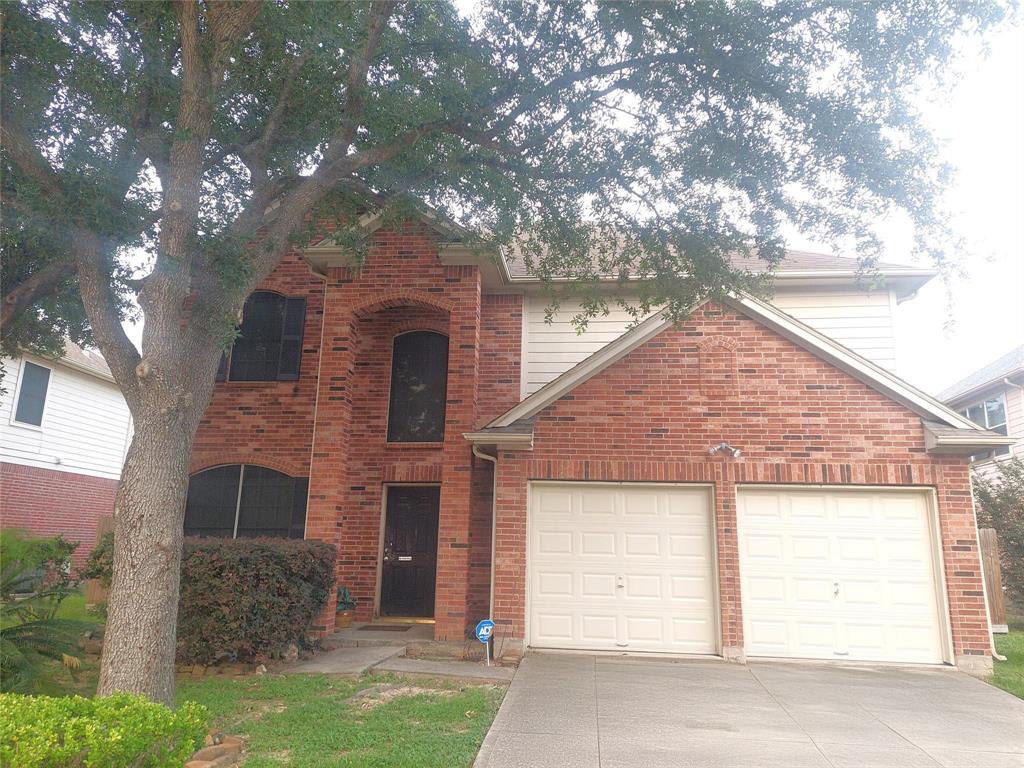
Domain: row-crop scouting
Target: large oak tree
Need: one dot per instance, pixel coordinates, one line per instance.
(165, 155)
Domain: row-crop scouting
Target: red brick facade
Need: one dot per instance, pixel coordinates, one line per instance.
(797, 419)
(48, 502)
(649, 417)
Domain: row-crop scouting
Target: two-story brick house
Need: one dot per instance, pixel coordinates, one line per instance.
(742, 484)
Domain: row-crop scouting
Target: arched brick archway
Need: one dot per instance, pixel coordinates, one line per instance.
(401, 298)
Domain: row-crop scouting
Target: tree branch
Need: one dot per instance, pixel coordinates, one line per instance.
(94, 280)
(38, 285)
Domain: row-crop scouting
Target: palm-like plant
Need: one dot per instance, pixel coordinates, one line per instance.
(35, 578)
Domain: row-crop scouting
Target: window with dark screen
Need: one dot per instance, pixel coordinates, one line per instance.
(419, 384)
(35, 381)
(269, 343)
(246, 501)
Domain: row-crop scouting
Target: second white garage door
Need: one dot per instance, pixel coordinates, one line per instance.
(622, 567)
(839, 574)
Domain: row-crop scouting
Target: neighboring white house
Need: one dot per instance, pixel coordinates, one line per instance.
(993, 397)
(64, 432)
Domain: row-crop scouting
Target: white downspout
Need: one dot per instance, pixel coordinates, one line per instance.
(494, 513)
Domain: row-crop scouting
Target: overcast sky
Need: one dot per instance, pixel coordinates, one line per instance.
(982, 121)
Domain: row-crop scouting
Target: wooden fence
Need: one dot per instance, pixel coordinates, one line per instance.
(94, 591)
(993, 578)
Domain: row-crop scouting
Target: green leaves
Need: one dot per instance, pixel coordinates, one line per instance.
(627, 139)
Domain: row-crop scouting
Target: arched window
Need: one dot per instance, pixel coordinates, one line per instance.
(419, 386)
(269, 343)
(245, 500)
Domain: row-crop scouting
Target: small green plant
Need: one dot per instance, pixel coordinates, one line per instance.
(35, 578)
(100, 565)
(112, 732)
(346, 602)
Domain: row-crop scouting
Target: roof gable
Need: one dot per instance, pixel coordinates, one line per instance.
(788, 327)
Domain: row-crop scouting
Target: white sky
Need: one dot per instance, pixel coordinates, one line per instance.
(982, 123)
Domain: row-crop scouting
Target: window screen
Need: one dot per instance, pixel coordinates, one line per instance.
(271, 503)
(419, 383)
(269, 343)
(35, 380)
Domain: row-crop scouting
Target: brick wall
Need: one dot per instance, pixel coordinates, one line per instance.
(722, 377)
(269, 423)
(402, 285)
(48, 502)
(501, 332)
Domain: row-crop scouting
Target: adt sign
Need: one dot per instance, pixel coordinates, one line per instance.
(484, 630)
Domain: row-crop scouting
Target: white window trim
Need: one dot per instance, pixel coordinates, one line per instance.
(990, 455)
(17, 396)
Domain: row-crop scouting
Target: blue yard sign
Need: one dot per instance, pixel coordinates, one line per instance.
(484, 631)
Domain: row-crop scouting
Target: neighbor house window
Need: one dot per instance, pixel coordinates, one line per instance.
(991, 414)
(419, 386)
(269, 343)
(32, 388)
(245, 500)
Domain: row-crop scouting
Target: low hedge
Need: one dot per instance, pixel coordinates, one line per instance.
(248, 599)
(112, 732)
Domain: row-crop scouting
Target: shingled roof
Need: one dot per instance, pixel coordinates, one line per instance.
(1009, 364)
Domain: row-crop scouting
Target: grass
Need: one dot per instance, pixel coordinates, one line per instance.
(1009, 674)
(307, 721)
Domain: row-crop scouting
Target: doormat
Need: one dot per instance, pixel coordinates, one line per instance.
(385, 627)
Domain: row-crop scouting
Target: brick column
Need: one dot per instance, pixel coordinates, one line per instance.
(330, 435)
(510, 551)
(453, 535)
(730, 605)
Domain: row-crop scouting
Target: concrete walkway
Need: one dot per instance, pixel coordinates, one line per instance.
(573, 711)
(345, 661)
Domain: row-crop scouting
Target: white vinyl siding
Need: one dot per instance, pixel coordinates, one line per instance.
(859, 320)
(85, 429)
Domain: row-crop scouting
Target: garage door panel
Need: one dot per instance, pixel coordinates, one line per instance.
(638, 573)
(857, 562)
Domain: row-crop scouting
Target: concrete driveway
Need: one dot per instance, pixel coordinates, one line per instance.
(569, 711)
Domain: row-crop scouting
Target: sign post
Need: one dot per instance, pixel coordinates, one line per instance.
(484, 631)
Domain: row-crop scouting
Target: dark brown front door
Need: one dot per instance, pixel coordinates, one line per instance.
(410, 551)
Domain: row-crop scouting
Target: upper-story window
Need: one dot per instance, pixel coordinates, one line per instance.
(419, 387)
(991, 414)
(269, 343)
(33, 384)
(245, 500)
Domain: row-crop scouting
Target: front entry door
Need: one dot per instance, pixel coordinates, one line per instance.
(410, 551)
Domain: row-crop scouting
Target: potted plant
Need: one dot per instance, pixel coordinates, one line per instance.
(346, 609)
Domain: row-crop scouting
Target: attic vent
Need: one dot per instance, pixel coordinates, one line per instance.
(717, 362)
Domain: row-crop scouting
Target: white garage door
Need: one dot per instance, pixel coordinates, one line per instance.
(626, 567)
(839, 575)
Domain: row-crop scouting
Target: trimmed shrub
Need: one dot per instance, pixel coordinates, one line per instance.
(112, 732)
(248, 599)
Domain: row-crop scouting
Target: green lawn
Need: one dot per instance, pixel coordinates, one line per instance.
(1009, 674)
(307, 721)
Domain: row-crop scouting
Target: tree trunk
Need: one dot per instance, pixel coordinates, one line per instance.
(139, 640)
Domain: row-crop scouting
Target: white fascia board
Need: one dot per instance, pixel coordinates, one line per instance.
(518, 440)
(849, 361)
